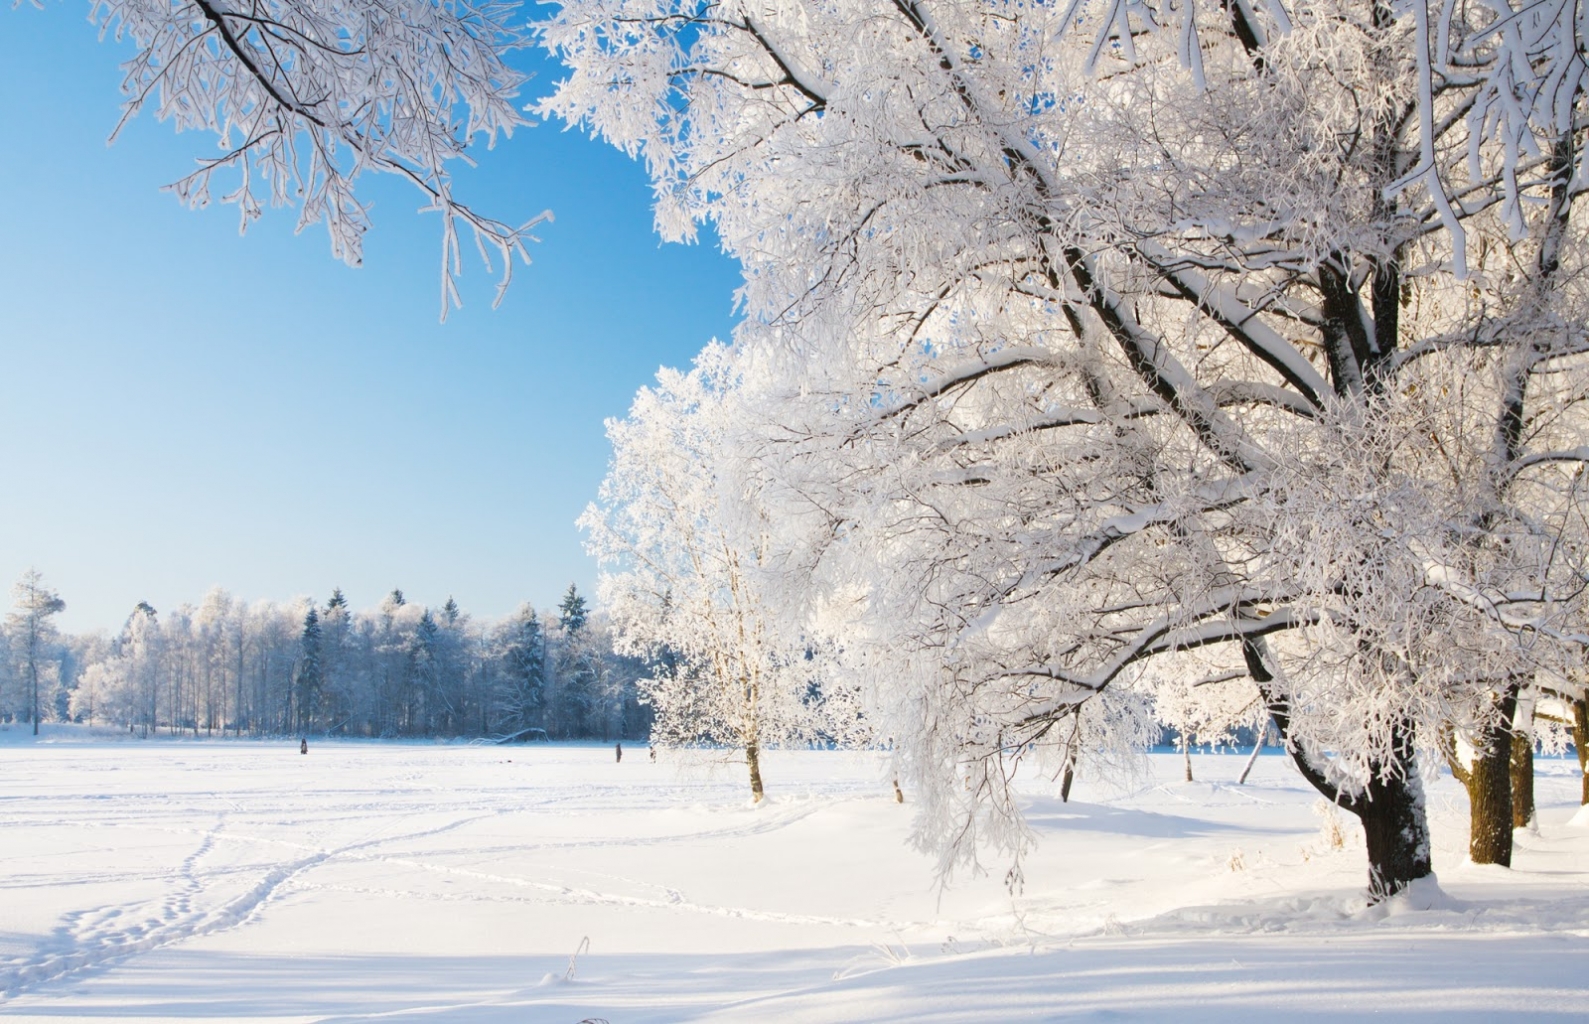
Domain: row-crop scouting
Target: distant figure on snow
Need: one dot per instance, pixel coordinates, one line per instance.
(653, 754)
(899, 794)
(303, 745)
(618, 749)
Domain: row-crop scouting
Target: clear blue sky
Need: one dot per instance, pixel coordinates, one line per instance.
(181, 407)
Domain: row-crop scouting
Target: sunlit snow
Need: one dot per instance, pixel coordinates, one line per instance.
(244, 881)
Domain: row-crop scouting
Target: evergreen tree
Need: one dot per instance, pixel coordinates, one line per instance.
(521, 690)
(336, 675)
(426, 675)
(453, 697)
(572, 612)
(578, 669)
(311, 671)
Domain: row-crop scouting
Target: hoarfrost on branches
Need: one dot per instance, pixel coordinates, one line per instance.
(305, 96)
(690, 574)
(1112, 331)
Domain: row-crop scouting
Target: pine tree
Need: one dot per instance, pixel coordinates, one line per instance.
(578, 668)
(521, 694)
(572, 612)
(336, 626)
(140, 645)
(426, 675)
(311, 674)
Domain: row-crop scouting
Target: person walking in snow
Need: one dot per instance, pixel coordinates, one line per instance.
(618, 749)
(303, 745)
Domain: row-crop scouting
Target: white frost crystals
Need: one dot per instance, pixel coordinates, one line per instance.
(693, 566)
(304, 96)
(1089, 353)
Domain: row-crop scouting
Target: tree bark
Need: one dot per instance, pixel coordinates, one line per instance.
(753, 759)
(1257, 748)
(1068, 776)
(1522, 780)
(1580, 741)
(1489, 784)
(1391, 806)
(1396, 827)
(1490, 799)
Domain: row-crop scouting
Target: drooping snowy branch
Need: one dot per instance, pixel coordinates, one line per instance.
(305, 96)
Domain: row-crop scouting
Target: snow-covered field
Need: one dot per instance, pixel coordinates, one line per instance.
(241, 881)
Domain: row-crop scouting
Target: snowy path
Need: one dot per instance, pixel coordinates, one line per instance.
(241, 881)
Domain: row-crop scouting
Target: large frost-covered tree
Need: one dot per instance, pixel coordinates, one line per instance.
(303, 97)
(1114, 329)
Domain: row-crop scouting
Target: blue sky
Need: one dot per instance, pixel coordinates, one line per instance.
(181, 407)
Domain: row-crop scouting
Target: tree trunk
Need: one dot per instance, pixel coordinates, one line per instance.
(1580, 741)
(1186, 755)
(1391, 807)
(753, 758)
(1396, 829)
(1522, 780)
(1490, 799)
(1489, 784)
(1257, 748)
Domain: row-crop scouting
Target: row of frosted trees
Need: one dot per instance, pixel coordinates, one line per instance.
(226, 666)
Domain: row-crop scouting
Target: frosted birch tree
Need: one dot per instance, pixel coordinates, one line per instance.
(32, 635)
(1117, 329)
(303, 97)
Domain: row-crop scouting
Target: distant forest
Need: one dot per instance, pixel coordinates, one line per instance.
(226, 666)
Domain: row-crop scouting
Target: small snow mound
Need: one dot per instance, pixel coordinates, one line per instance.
(1581, 819)
(1421, 896)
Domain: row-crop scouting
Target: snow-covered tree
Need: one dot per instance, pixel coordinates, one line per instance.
(577, 668)
(520, 699)
(141, 648)
(1203, 706)
(309, 679)
(1112, 330)
(32, 636)
(688, 556)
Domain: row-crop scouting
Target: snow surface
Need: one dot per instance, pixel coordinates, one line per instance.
(241, 881)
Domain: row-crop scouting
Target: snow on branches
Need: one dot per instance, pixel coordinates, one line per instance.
(692, 568)
(304, 96)
(1104, 331)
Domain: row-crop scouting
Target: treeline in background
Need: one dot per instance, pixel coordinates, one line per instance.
(226, 666)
